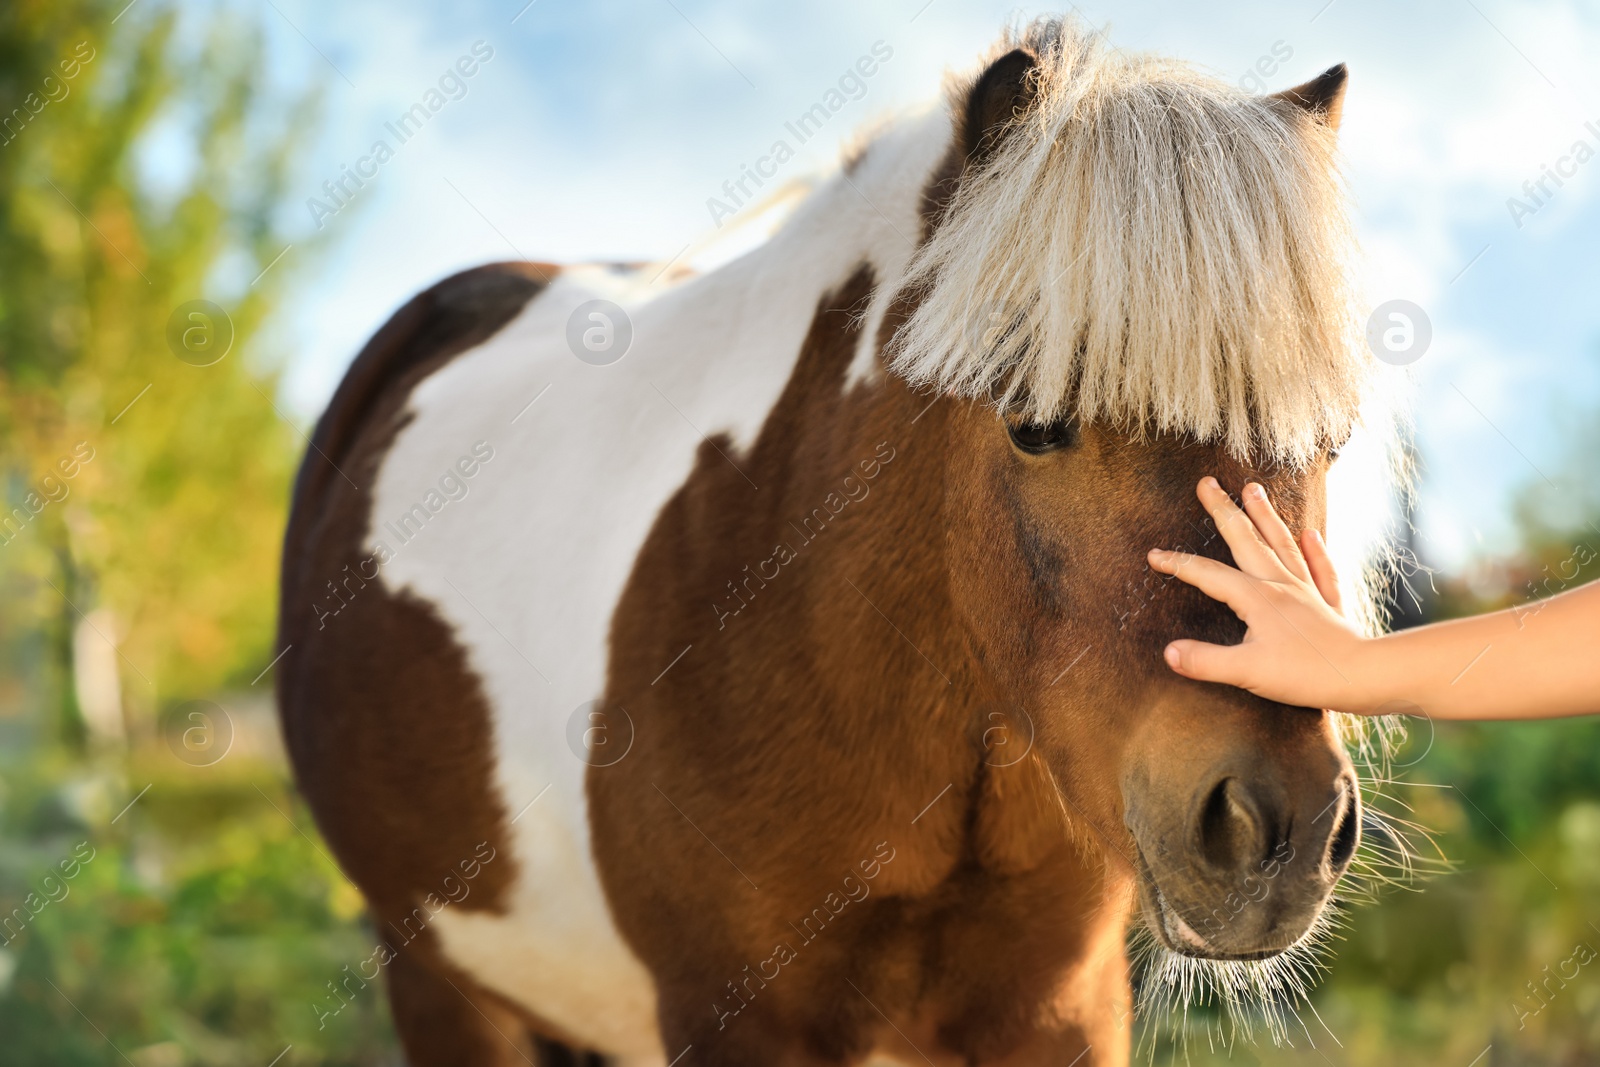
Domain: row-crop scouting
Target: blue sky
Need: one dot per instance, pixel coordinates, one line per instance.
(600, 128)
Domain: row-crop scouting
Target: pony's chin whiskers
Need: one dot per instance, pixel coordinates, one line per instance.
(1267, 993)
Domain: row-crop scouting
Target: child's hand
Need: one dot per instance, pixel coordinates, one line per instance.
(1298, 649)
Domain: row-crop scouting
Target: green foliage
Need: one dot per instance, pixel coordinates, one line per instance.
(173, 519)
(204, 929)
(151, 491)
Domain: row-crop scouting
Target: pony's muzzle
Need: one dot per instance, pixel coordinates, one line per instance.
(1244, 866)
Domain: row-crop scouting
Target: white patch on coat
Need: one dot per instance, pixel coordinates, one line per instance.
(528, 567)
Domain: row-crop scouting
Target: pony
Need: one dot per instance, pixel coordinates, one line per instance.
(760, 665)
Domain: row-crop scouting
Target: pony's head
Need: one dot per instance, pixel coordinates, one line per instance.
(1138, 276)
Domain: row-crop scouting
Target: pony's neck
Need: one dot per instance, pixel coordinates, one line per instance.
(870, 213)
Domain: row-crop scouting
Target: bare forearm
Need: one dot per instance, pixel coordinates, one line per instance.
(1540, 660)
(1537, 661)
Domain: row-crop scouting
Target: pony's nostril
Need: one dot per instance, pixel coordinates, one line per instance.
(1346, 835)
(1230, 832)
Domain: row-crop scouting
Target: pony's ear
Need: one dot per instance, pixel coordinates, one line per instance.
(1322, 96)
(1000, 94)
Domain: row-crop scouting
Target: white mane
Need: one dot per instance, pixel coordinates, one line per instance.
(1152, 247)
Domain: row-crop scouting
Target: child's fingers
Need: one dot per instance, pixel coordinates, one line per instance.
(1250, 552)
(1215, 579)
(1273, 531)
(1322, 572)
(1206, 662)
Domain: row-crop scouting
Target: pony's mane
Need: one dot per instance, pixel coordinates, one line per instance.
(1148, 246)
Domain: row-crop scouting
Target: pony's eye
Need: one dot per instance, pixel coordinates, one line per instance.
(1036, 438)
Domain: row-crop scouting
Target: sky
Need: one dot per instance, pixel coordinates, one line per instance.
(599, 129)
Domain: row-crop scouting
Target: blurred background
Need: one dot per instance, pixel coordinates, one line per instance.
(183, 278)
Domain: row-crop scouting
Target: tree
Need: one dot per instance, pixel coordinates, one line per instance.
(141, 489)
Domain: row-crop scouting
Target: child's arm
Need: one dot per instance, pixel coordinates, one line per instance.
(1536, 661)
